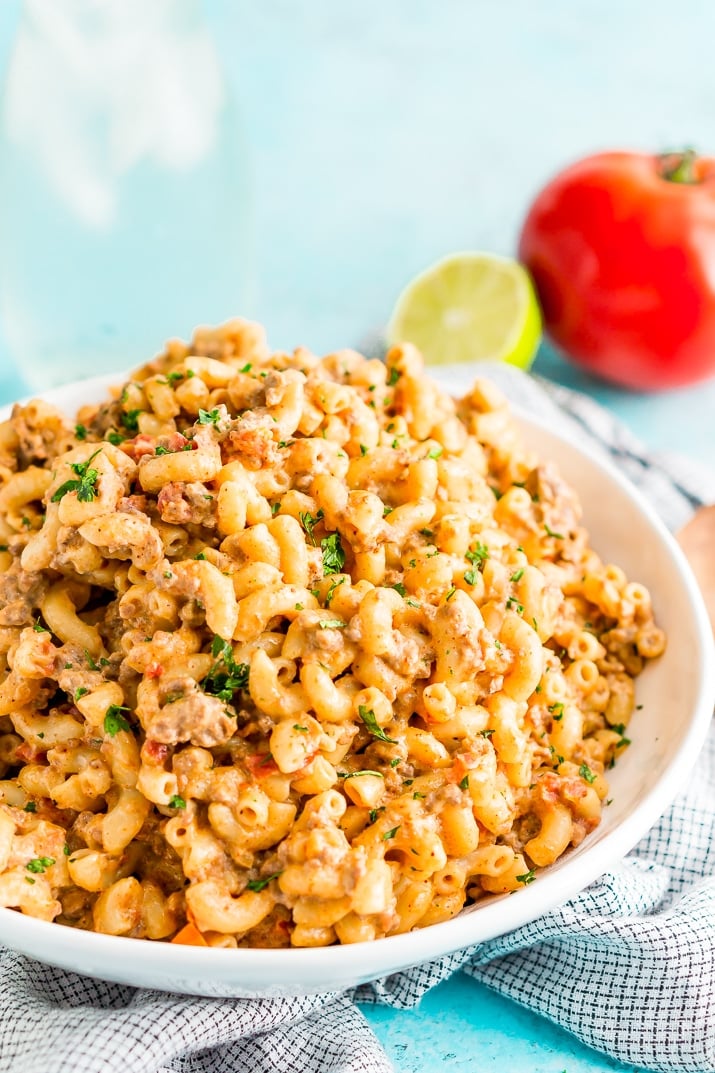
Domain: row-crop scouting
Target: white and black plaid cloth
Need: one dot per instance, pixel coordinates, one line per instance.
(628, 966)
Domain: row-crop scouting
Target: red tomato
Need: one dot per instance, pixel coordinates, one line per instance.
(621, 247)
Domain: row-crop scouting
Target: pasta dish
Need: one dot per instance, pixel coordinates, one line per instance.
(296, 651)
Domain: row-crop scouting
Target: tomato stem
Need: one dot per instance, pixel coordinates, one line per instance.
(679, 167)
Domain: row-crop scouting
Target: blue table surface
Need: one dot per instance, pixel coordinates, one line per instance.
(384, 136)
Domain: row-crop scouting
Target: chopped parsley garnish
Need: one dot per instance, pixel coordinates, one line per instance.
(114, 437)
(478, 556)
(470, 576)
(297, 726)
(130, 420)
(517, 575)
(4, 547)
(557, 710)
(356, 774)
(246, 368)
(486, 733)
(333, 554)
(333, 586)
(175, 377)
(464, 784)
(210, 417)
(450, 594)
(39, 864)
(30, 807)
(394, 376)
(161, 450)
(556, 757)
(363, 449)
(586, 773)
(368, 717)
(620, 728)
(226, 676)
(551, 533)
(527, 877)
(261, 884)
(332, 624)
(513, 602)
(397, 760)
(412, 603)
(114, 721)
(435, 452)
(417, 796)
(39, 628)
(90, 662)
(85, 485)
(201, 556)
(80, 432)
(176, 801)
(309, 522)
(400, 589)
(80, 692)
(391, 833)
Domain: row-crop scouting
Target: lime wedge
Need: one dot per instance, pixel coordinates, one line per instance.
(470, 307)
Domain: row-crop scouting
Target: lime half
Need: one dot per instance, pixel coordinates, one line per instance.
(470, 307)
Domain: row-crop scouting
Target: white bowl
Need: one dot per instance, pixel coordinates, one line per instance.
(677, 693)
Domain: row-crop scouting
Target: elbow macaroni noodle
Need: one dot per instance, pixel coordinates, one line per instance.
(296, 651)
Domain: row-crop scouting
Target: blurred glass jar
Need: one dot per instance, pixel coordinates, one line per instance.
(124, 215)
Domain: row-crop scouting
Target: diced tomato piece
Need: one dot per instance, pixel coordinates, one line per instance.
(189, 936)
(29, 753)
(261, 764)
(155, 751)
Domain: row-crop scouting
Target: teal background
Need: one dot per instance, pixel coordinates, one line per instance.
(381, 136)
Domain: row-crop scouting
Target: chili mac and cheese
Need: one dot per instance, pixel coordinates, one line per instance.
(296, 651)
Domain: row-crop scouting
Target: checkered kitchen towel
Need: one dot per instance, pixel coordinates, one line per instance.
(628, 966)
